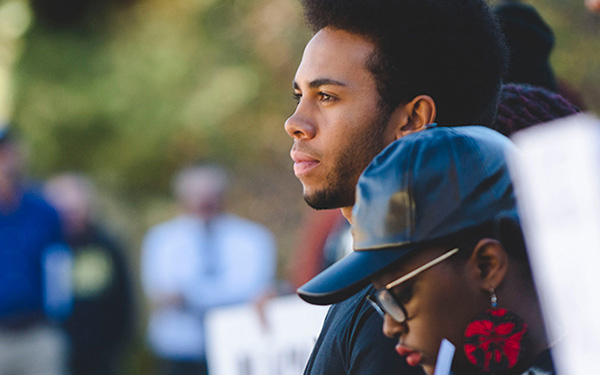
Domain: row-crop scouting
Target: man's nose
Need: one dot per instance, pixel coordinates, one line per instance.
(299, 125)
(392, 328)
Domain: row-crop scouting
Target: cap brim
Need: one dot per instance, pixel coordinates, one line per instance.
(348, 275)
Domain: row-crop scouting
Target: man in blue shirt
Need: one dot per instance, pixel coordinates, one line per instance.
(29, 232)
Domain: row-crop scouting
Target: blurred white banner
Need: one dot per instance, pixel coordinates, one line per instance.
(557, 177)
(241, 343)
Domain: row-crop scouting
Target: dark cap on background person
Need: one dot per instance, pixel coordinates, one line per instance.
(530, 42)
(429, 187)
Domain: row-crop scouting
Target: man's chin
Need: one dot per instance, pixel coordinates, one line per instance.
(327, 200)
(318, 205)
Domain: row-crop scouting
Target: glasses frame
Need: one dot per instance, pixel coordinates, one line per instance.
(395, 309)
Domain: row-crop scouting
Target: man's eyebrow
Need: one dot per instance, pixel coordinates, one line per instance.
(325, 81)
(320, 82)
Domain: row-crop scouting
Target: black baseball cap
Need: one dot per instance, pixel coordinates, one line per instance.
(424, 188)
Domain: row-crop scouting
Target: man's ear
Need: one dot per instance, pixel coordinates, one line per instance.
(489, 263)
(415, 115)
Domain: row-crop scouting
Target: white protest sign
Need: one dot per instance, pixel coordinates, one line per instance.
(238, 343)
(445, 356)
(557, 177)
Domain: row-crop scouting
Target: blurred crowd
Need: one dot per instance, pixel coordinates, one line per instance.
(66, 288)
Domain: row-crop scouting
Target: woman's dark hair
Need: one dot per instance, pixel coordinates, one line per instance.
(506, 229)
(451, 50)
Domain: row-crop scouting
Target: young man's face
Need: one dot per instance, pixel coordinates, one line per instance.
(439, 303)
(338, 126)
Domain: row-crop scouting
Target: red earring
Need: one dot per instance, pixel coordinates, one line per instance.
(494, 338)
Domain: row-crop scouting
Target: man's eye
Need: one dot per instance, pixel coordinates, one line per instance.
(297, 97)
(325, 97)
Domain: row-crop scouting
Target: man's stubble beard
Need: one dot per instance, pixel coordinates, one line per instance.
(341, 187)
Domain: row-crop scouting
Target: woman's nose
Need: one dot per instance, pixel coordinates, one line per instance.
(392, 328)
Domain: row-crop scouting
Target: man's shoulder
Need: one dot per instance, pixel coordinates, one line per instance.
(355, 304)
(345, 320)
(351, 342)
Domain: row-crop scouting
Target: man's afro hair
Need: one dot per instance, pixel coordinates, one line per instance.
(451, 50)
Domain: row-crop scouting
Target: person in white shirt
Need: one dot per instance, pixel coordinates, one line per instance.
(202, 259)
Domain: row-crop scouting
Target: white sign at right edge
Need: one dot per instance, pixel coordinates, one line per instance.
(557, 179)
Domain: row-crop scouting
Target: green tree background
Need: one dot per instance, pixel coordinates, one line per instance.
(130, 91)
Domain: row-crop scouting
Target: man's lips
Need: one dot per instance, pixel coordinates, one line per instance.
(413, 358)
(303, 163)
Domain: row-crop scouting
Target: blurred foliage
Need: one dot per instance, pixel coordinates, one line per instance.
(155, 85)
(15, 19)
(576, 56)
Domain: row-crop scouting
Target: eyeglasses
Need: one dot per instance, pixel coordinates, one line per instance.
(385, 302)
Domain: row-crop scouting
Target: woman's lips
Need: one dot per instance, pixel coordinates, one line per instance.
(413, 358)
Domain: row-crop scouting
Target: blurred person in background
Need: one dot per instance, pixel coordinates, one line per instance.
(31, 256)
(530, 41)
(101, 322)
(202, 259)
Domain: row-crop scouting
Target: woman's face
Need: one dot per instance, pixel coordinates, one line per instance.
(439, 302)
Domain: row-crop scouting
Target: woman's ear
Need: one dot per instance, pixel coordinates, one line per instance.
(416, 114)
(489, 263)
